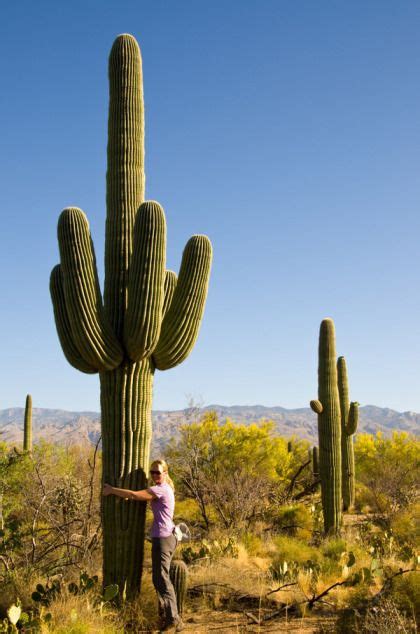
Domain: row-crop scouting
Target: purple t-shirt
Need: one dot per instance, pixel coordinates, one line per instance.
(163, 510)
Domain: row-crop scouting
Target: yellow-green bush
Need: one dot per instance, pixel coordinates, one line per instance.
(294, 549)
(389, 468)
(295, 520)
(406, 525)
(406, 593)
(333, 548)
(254, 545)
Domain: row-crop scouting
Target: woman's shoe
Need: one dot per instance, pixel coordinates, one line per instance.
(176, 625)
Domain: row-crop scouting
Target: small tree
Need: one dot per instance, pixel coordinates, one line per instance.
(236, 471)
(390, 470)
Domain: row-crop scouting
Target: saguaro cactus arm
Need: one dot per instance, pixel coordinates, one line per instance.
(315, 461)
(91, 332)
(146, 282)
(181, 323)
(63, 324)
(171, 280)
(353, 419)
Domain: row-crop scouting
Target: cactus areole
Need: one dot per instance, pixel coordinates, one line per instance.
(149, 318)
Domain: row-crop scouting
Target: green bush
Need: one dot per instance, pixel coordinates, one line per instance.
(294, 549)
(254, 545)
(406, 593)
(295, 520)
(333, 548)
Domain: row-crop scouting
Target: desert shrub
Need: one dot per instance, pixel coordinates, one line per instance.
(386, 619)
(389, 470)
(333, 547)
(294, 549)
(406, 594)
(405, 525)
(240, 472)
(254, 545)
(187, 510)
(50, 510)
(295, 520)
(209, 549)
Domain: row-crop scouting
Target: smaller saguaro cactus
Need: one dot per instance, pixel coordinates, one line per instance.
(289, 446)
(349, 420)
(178, 573)
(327, 406)
(27, 430)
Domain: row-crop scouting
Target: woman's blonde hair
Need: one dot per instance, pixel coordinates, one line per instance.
(164, 465)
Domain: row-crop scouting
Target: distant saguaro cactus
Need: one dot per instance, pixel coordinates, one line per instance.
(329, 428)
(149, 318)
(178, 573)
(27, 429)
(349, 420)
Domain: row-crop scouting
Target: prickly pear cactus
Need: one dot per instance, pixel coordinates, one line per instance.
(327, 407)
(149, 318)
(349, 420)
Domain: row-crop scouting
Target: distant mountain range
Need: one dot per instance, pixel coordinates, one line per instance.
(84, 427)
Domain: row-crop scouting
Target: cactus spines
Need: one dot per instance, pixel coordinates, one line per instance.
(27, 431)
(178, 573)
(329, 429)
(148, 318)
(349, 420)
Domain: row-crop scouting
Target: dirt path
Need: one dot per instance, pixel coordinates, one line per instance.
(221, 622)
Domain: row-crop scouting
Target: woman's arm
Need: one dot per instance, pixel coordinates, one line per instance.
(139, 496)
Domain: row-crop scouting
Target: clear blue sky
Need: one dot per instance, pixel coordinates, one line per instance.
(289, 132)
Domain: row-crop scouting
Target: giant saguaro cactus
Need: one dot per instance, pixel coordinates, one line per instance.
(27, 425)
(149, 318)
(329, 428)
(349, 420)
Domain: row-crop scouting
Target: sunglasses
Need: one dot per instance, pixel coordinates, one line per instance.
(156, 472)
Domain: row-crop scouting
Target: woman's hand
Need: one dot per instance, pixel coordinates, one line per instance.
(107, 489)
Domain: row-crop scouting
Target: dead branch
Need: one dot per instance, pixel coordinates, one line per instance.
(286, 585)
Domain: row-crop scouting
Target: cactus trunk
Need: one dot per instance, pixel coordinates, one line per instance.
(126, 405)
(27, 431)
(329, 429)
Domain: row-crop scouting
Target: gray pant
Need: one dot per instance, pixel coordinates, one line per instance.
(163, 549)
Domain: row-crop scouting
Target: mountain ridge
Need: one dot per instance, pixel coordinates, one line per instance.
(71, 427)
